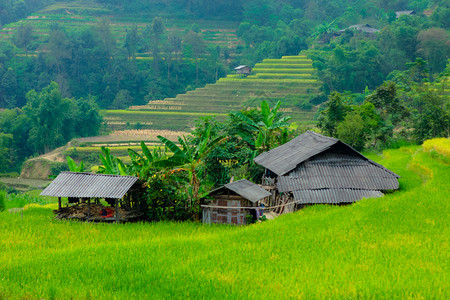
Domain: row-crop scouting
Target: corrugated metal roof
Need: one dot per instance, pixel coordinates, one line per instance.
(404, 12)
(88, 185)
(331, 170)
(248, 190)
(241, 67)
(287, 157)
(333, 196)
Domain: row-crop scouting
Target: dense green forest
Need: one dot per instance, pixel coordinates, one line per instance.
(11, 10)
(89, 67)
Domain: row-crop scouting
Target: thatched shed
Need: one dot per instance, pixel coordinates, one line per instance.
(123, 193)
(313, 168)
(231, 203)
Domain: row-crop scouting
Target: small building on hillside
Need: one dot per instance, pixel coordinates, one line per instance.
(243, 70)
(400, 13)
(122, 195)
(313, 168)
(365, 29)
(231, 203)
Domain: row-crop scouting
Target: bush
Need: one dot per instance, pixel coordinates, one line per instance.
(10, 175)
(20, 200)
(316, 100)
(304, 104)
(166, 199)
(2, 200)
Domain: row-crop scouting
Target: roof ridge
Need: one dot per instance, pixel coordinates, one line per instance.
(99, 174)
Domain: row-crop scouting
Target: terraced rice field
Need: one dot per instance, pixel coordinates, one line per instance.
(84, 12)
(441, 86)
(291, 79)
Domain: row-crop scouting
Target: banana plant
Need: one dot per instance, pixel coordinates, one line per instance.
(73, 167)
(111, 164)
(189, 158)
(141, 165)
(263, 129)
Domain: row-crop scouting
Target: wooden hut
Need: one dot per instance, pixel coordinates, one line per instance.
(313, 168)
(124, 194)
(231, 203)
(243, 70)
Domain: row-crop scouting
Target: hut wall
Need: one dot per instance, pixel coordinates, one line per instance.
(229, 216)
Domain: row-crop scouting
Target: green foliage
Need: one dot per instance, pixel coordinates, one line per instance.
(122, 100)
(351, 130)
(73, 167)
(190, 158)
(55, 120)
(265, 130)
(3, 195)
(6, 154)
(432, 119)
(23, 36)
(142, 165)
(111, 164)
(47, 121)
(15, 200)
(334, 113)
(166, 198)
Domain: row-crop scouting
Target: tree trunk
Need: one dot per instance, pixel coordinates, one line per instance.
(195, 187)
(196, 71)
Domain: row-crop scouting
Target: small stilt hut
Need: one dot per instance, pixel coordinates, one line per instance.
(243, 70)
(231, 203)
(124, 194)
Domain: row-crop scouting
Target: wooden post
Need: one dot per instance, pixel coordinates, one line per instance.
(89, 208)
(59, 202)
(117, 211)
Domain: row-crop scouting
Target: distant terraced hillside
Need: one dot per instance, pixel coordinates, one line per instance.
(84, 12)
(291, 79)
(441, 86)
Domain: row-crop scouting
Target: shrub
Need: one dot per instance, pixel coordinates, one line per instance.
(304, 104)
(166, 199)
(2, 200)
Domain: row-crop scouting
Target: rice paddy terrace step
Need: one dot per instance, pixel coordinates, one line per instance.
(290, 79)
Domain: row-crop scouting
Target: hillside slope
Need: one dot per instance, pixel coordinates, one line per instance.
(76, 14)
(291, 79)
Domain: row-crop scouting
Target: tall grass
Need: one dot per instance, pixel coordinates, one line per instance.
(391, 247)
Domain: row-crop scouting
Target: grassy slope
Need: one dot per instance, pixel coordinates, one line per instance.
(393, 247)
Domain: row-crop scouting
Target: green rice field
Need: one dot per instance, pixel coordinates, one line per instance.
(395, 247)
(274, 79)
(75, 14)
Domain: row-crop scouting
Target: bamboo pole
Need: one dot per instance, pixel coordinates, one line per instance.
(89, 208)
(117, 211)
(59, 202)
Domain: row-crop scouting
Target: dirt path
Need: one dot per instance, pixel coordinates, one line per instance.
(54, 155)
